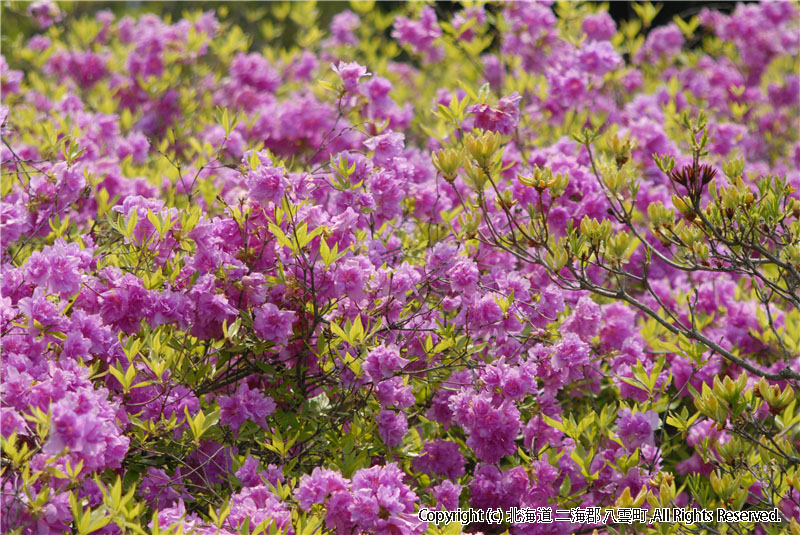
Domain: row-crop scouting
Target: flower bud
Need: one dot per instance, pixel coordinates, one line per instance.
(448, 162)
(730, 390)
(731, 450)
(595, 231)
(543, 179)
(558, 258)
(682, 204)
(660, 216)
(733, 169)
(482, 147)
(772, 394)
(476, 175)
(709, 405)
(613, 179)
(792, 254)
(617, 247)
(559, 185)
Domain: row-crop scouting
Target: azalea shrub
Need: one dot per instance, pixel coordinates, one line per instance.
(296, 269)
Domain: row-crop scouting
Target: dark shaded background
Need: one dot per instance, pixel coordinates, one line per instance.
(16, 27)
(623, 10)
(618, 10)
(247, 15)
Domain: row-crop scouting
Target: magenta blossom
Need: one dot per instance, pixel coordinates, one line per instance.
(385, 146)
(637, 429)
(350, 73)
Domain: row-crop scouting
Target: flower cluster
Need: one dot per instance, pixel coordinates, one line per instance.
(375, 500)
(304, 270)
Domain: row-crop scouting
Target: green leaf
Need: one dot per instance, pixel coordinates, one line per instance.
(280, 235)
(338, 331)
